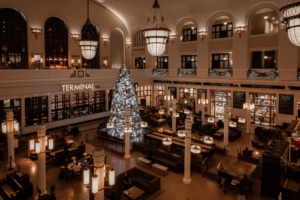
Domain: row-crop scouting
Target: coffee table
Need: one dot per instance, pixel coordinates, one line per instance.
(133, 192)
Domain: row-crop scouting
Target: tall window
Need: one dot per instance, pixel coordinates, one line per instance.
(188, 62)
(189, 34)
(36, 110)
(220, 61)
(221, 30)
(162, 62)
(13, 40)
(138, 40)
(264, 59)
(140, 62)
(56, 44)
(91, 32)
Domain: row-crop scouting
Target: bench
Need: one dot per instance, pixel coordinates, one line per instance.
(143, 162)
(160, 169)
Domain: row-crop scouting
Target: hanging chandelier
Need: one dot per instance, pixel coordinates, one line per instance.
(291, 18)
(88, 45)
(157, 36)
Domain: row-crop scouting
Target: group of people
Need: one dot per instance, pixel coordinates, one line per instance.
(225, 178)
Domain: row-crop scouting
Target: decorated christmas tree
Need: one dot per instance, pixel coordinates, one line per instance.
(124, 96)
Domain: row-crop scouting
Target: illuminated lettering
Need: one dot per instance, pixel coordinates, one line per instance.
(77, 87)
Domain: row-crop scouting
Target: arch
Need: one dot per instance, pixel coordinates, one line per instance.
(258, 11)
(117, 51)
(13, 39)
(186, 22)
(56, 43)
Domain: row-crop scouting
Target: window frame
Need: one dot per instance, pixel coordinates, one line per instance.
(187, 61)
(220, 63)
(261, 61)
(222, 30)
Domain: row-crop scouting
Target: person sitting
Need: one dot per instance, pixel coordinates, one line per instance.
(247, 152)
(127, 181)
(223, 178)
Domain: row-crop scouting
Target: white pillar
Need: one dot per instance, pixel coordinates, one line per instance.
(99, 161)
(10, 140)
(248, 121)
(173, 118)
(127, 133)
(226, 126)
(187, 151)
(41, 133)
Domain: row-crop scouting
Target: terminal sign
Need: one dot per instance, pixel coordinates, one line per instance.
(77, 87)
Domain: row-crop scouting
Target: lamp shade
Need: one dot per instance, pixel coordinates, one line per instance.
(50, 143)
(94, 184)
(195, 149)
(291, 17)
(156, 40)
(31, 144)
(181, 133)
(86, 176)
(88, 48)
(208, 140)
(111, 175)
(37, 147)
(167, 141)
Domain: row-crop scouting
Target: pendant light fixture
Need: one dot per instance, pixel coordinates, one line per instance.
(156, 36)
(87, 44)
(291, 18)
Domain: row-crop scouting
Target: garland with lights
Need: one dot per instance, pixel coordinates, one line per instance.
(187, 72)
(216, 72)
(159, 72)
(252, 72)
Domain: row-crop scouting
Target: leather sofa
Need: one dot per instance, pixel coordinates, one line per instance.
(16, 186)
(147, 181)
(234, 134)
(208, 129)
(173, 161)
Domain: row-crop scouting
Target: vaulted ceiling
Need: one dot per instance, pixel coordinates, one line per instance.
(134, 13)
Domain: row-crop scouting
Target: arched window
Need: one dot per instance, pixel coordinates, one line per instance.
(56, 44)
(90, 32)
(13, 40)
(117, 49)
(222, 28)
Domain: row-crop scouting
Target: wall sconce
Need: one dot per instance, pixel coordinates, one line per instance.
(75, 61)
(36, 31)
(240, 30)
(105, 41)
(75, 36)
(202, 34)
(172, 38)
(128, 43)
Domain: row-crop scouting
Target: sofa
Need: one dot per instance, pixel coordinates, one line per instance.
(234, 134)
(16, 186)
(141, 178)
(208, 129)
(173, 161)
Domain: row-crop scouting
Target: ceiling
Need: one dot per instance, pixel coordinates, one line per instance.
(134, 13)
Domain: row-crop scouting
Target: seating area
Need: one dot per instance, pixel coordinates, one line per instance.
(141, 178)
(16, 186)
(171, 160)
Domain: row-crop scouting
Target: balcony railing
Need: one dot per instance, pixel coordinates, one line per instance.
(156, 72)
(187, 72)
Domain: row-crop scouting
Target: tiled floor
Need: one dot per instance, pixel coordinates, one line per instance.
(200, 188)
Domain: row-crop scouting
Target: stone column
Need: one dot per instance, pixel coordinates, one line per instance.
(99, 166)
(41, 133)
(226, 126)
(127, 133)
(173, 118)
(187, 151)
